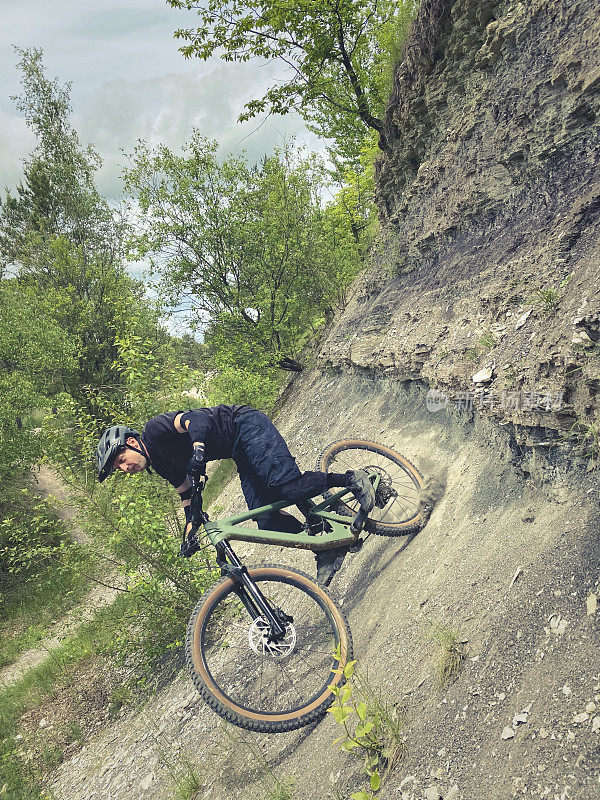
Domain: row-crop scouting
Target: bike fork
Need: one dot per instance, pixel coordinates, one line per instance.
(250, 595)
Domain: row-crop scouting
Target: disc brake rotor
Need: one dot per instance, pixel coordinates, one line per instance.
(258, 637)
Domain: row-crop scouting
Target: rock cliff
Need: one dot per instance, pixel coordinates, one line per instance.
(489, 196)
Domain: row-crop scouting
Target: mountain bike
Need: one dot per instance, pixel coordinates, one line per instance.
(265, 644)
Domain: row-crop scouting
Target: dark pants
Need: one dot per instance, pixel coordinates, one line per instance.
(269, 473)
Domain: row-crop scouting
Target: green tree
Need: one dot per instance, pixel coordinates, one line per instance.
(188, 350)
(57, 195)
(135, 518)
(35, 357)
(63, 241)
(336, 54)
(253, 250)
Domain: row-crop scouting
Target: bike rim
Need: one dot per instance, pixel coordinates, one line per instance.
(402, 506)
(255, 682)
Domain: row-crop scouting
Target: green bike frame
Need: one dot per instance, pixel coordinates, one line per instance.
(341, 533)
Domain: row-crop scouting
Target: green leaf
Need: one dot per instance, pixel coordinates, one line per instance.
(349, 669)
(349, 745)
(375, 781)
(361, 710)
(339, 713)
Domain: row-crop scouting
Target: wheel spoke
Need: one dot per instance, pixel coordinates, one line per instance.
(403, 506)
(275, 679)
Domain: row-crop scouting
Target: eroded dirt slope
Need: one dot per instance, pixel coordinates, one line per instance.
(532, 646)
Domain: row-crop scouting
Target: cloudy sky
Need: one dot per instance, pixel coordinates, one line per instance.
(129, 82)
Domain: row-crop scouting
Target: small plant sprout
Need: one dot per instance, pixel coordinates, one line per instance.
(453, 653)
(188, 783)
(547, 298)
(373, 731)
(586, 440)
(487, 341)
(187, 780)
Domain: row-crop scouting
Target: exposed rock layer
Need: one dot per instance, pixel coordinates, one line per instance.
(490, 199)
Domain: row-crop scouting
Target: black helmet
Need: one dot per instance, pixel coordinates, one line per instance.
(112, 440)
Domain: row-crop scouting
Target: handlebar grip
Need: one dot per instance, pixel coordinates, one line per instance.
(358, 522)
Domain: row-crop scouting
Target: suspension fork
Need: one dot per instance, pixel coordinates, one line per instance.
(250, 595)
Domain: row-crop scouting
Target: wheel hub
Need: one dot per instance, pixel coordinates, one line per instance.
(260, 642)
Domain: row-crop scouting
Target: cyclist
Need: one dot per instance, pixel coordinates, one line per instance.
(179, 444)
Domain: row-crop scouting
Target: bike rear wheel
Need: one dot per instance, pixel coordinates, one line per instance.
(262, 686)
(397, 502)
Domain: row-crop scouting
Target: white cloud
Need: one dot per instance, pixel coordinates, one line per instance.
(129, 82)
(165, 109)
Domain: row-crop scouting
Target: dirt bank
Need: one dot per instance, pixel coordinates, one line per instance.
(528, 637)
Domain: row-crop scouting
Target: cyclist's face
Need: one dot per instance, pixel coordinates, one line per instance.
(130, 460)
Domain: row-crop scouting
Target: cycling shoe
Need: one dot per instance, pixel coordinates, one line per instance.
(361, 487)
(328, 563)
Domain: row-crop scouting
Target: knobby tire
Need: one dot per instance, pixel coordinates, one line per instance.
(402, 513)
(256, 691)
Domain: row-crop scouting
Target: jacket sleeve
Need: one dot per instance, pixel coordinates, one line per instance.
(196, 423)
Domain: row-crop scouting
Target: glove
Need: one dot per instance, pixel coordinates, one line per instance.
(196, 470)
(189, 545)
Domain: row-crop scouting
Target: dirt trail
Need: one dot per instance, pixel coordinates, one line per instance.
(51, 487)
(102, 593)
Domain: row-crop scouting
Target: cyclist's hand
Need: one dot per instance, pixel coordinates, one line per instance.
(190, 543)
(196, 470)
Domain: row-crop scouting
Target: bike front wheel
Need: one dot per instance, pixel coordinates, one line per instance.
(263, 686)
(397, 508)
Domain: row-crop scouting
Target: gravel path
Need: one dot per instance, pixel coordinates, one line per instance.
(102, 593)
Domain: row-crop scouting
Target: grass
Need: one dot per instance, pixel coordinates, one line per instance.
(487, 341)
(188, 784)
(43, 573)
(36, 687)
(29, 608)
(452, 655)
(57, 680)
(547, 297)
(585, 437)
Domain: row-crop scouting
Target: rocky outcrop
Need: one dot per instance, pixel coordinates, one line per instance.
(489, 258)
